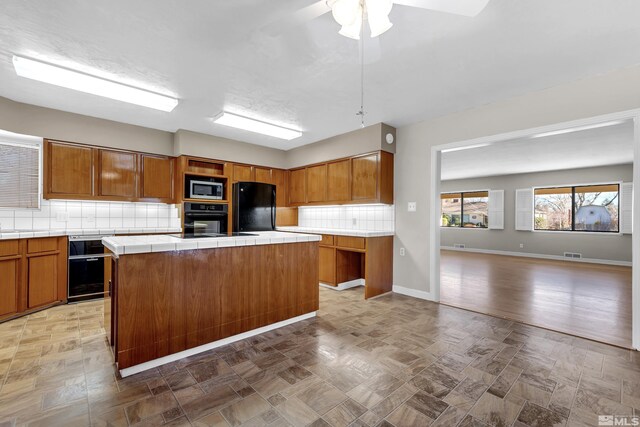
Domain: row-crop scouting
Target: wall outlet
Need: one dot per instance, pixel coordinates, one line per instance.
(521, 245)
(354, 221)
(62, 216)
(412, 207)
(402, 252)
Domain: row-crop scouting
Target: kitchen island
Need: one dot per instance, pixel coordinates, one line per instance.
(172, 297)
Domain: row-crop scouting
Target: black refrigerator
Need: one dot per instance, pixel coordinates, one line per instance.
(254, 206)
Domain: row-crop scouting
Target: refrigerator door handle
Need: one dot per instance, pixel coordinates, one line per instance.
(273, 207)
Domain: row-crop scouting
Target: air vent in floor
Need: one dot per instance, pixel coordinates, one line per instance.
(572, 255)
(458, 245)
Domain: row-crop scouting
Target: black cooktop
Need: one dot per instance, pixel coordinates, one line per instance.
(209, 235)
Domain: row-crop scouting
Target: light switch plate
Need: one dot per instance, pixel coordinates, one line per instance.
(412, 206)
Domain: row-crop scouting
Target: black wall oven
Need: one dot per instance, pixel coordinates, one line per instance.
(205, 219)
(86, 268)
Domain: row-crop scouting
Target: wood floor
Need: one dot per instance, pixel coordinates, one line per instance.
(389, 361)
(587, 300)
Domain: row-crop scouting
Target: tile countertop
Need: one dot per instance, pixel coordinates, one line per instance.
(28, 234)
(338, 231)
(123, 245)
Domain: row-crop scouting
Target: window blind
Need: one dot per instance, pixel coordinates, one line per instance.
(19, 175)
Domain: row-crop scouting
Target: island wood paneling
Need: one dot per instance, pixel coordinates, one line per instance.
(167, 302)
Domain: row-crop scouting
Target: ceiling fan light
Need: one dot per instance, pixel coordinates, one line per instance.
(346, 12)
(379, 26)
(352, 31)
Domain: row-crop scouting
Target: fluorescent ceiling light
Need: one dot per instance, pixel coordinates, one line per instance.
(256, 126)
(82, 82)
(467, 147)
(577, 129)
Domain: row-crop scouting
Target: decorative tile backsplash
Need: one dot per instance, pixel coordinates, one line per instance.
(359, 217)
(67, 215)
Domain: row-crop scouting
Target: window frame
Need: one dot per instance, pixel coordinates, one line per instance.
(461, 226)
(573, 209)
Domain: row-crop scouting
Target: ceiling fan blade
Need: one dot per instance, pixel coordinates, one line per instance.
(297, 18)
(458, 7)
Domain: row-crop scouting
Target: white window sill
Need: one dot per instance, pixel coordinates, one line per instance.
(589, 233)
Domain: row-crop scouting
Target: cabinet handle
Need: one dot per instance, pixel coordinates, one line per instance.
(92, 259)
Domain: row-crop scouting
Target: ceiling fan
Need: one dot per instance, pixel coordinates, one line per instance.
(351, 14)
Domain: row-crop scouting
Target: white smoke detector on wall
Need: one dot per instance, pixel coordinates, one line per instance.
(389, 138)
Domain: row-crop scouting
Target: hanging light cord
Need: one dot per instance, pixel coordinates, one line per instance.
(361, 112)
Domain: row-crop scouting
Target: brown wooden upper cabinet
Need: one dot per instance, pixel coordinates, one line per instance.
(68, 171)
(156, 184)
(364, 173)
(339, 181)
(297, 186)
(279, 178)
(317, 183)
(243, 173)
(263, 175)
(118, 175)
(366, 178)
(76, 171)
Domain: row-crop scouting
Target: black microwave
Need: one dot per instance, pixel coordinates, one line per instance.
(205, 190)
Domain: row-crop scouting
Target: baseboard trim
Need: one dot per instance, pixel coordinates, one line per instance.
(344, 285)
(413, 293)
(215, 344)
(540, 256)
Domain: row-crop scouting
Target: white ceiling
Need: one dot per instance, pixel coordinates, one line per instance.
(605, 146)
(213, 56)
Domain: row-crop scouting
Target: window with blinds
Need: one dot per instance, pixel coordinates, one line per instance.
(19, 175)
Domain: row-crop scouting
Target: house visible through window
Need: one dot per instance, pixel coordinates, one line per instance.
(466, 209)
(19, 175)
(581, 208)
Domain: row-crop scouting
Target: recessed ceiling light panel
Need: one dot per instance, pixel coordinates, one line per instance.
(87, 83)
(257, 126)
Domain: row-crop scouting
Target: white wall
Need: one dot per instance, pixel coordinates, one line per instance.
(613, 92)
(602, 246)
(55, 124)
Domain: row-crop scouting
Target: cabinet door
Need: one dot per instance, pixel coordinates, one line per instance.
(42, 280)
(157, 178)
(69, 170)
(263, 175)
(118, 172)
(317, 183)
(9, 287)
(339, 181)
(242, 173)
(327, 265)
(279, 178)
(364, 177)
(297, 186)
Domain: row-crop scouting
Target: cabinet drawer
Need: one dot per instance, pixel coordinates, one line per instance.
(327, 240)
(350, 242)
(42, 245)
(9, 247)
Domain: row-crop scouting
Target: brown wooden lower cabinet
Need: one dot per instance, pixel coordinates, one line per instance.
(9, 279)
(346, 258)
(33, 275)
(167, 302)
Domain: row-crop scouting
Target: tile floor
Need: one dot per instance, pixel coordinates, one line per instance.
(394, 360)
